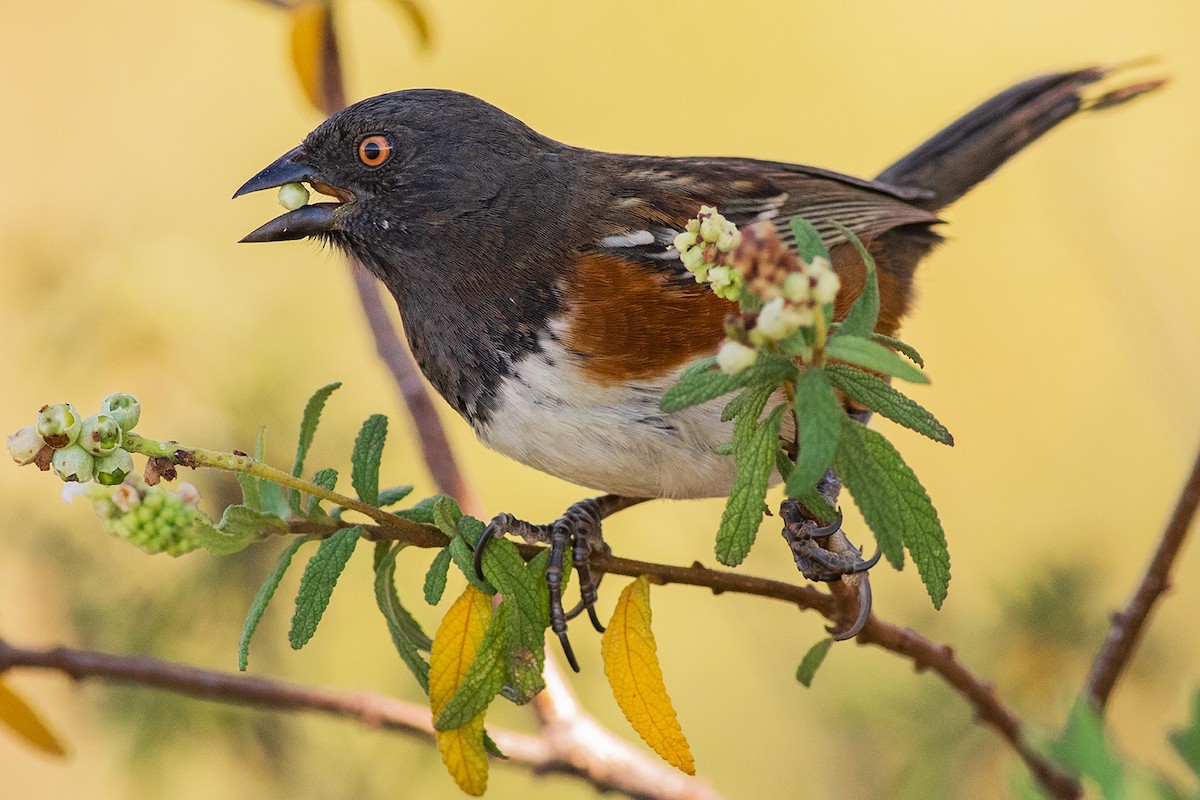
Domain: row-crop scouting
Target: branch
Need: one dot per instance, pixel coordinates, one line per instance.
(613, 770)
(1129, 623)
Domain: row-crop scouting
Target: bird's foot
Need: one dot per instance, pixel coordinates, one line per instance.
(823, 553)
(578, 528)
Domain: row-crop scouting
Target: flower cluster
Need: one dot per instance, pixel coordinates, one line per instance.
(80, 448)
(705, 247)
(152, 518)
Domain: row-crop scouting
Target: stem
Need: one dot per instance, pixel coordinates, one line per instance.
(232, 462)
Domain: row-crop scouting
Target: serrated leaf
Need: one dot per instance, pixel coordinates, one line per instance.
(435, 578)
(1187, 741)
(1084, 748)
(251, 495)
(819, 420)
(482, 681)
(418, 19)
(464, 558)
(631, 664)
(315, 58)
(270, 495)
(864, 312)
(368, 452)
(894, 504)
(422, 512)
(327, 479)
(259, 605)
(308, 429)
(809, 245)
(903, 348)
(754, 446)
(212, 539)
(239, 527)
(316, 586)
(407, 636)
(812, 661)
(457, 641)
(19, 717)
(878, 395)
(394, 494)
(470, 529)
(872, 356)
(700, 382)
(525, 619)
(446, 515)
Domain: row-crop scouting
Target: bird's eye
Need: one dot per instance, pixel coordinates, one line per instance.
(374, 150)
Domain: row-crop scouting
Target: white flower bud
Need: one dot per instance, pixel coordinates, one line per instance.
(114, 468)
(778, 321)
(58, 424)
(73, 463)
(25, 444)
(126, 497)
(693, 258)
(124, 408)
(711, 228)
(796, 287)
(100, 435)
(729, 239)
(827, 287)
(189, 495)
(293, 196)
(734, 357)
(684, 240)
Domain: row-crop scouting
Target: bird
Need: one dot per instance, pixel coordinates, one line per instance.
(541, 294)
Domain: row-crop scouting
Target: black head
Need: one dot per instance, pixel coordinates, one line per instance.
(399, 164)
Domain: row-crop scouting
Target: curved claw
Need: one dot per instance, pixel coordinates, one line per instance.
(489, 533)
(568, 651)
(828, 530)
(864, 613)
(591, 609)
(863, 566)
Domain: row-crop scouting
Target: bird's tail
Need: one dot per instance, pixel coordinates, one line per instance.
(976, 144)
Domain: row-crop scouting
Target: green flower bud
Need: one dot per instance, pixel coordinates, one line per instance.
(58, 424)
(693, 258)
(293, 196)
(25, 444)
(73, 463)
(124, 408)
(796, 287)
(734, 357)
(100, 434)
(114, 468)
(726, 282)
(161, 522)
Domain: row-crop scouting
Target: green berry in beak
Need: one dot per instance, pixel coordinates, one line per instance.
(293, 196)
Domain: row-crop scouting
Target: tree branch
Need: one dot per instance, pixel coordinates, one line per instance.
(1129, 623)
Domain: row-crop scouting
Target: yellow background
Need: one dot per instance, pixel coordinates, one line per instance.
(1058, 323)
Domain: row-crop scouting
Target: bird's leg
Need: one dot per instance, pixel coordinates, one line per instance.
(579, 527)
(823, 553)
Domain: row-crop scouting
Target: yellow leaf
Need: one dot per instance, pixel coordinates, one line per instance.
(18, 715)
(631, 664)
(418, 19)
(315, 55)
(454, 649)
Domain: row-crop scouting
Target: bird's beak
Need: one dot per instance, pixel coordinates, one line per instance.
(308, 220)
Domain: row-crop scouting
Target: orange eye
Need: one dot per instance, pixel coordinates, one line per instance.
(374, 150)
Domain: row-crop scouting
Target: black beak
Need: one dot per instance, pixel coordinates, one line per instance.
(305, 221)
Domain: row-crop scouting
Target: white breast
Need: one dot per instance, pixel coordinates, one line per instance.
(611, 438)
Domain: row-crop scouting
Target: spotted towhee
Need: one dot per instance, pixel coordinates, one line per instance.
(539, 288)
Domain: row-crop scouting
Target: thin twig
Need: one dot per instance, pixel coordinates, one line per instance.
(1129, 624)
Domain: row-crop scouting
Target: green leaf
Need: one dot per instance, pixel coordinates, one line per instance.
(809, 245)
(446, 515)
(308, 429)
(864, 313)
(1187, 741)
(259, 605)
(878, 395)
(239, 526)
(1084, 748)
(525, 636)
(819, 416)
(904, 348)
(482, 682)
(894, 504)
(812, 661)
(470, 529)
(326, 479)
(464, 558)
(422, 512)
(407, 636)
(271, 497)
(316, 587)
(368, 452)
(493, 748)
(866, 353)
(817, 505)
(702, 382)
(435, 578)
(394, 494)
(251, 493)
(754, 446)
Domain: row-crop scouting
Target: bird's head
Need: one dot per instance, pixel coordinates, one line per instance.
(401, 167)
